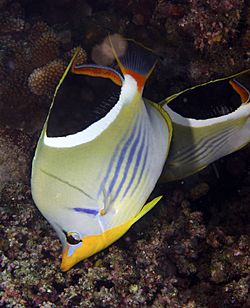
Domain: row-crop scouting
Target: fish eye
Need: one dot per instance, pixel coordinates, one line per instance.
(73, 238)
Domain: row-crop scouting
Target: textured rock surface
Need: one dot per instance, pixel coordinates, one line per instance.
(15, 153)
(196, 251)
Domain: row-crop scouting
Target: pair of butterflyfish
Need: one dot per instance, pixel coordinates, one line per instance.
(103, 146)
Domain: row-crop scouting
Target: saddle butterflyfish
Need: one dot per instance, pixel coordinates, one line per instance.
(92, 181)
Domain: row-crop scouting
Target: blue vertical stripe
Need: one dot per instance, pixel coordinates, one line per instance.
(214, 147)
(128, 163)
(187, 151)
(142, 168)
(109, 169)
(211, 141)
(137, 163)
(120, 161)
(111, 164)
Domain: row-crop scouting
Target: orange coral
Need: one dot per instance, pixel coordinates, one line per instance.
(43, 80)
(81, 57)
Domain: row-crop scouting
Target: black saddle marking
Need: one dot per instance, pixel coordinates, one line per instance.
(209, 101)
(79, 102)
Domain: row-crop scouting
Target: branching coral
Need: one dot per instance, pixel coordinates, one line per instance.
(81, 55)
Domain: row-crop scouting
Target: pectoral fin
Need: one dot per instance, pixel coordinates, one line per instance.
(241, 90)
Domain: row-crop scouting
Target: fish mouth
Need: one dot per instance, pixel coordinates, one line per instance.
(73, 254)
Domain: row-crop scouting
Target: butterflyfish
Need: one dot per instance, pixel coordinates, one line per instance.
(92, 175)
(103, 146)
(209, 121)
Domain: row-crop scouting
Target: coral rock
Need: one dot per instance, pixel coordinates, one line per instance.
(208, 30)
(199, 191)
(14, 156)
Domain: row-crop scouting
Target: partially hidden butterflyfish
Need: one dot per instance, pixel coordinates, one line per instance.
(104, 147)
(216, 124)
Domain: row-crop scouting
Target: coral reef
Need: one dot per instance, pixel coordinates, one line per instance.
(196, 251)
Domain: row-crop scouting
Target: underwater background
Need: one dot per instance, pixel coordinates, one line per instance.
(192, 250)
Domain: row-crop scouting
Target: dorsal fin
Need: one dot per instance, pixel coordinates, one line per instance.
(95, 71)
(137, 61)
(241, 90)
